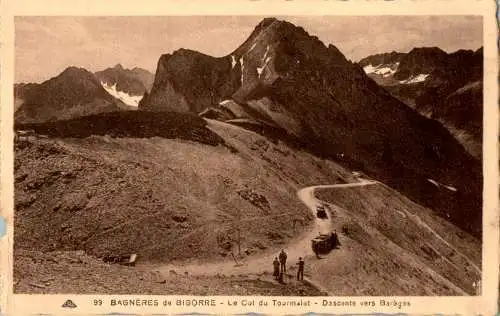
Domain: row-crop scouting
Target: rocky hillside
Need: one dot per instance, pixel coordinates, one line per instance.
(165, 197)
(177, 201)
(408, 234)
(445, 87)
(128, 85)
(73, 93)
(283, 78)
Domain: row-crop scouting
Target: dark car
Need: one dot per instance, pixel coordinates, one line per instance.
(324, 243)
(321, 212)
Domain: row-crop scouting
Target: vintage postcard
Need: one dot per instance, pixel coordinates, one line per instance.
(269, 157)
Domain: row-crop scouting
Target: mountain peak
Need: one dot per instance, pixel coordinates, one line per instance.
(74, 92)
(75, 77)
(389, 59)
(186, 52)
(73, 70)
(267, 21)
(73, 73)
(285, 29)
(271, 32)
(428, 50)
(130, 81)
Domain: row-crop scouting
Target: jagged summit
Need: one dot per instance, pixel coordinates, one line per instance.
(128, 83)
(272, 30)
(273, 51)
(266, 22)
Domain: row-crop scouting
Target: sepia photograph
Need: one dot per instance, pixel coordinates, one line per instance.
(249, 155)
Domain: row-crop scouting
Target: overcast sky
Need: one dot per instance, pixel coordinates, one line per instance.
(47, 45)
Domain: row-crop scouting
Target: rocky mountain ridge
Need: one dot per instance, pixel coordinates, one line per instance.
(445, 87)
(128, 85)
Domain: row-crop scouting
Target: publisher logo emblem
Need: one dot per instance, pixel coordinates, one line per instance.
(69, 304)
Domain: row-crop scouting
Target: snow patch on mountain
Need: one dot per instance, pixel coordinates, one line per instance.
(260, 69)
(132, 100)
(449, 187)
(433, 182)
(233, 61)
(267, 52)
(437, 184)
(415, 79)
(385, 70)
(242, 68)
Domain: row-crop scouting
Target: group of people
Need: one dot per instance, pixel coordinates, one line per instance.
(279, 265)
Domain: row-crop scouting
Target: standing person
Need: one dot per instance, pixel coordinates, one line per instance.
(315, 249)
(300, 272)
(276, 265)
(337, 242)
(282, 258)
(332, 241)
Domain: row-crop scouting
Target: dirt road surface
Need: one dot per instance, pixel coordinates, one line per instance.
(299, 247)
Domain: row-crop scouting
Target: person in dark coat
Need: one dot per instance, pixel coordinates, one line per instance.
(315, 249)
(282, 256)
(336, 238)
(276, 266)
(300, 271)
(333, 244)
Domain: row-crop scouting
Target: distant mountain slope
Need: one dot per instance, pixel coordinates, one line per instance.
(74, 92)
(128, 85)
(382, 59)
(426, 64)
(446, 87)
(282, 77)
(420, 61)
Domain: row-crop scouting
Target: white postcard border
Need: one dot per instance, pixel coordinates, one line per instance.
(51, 304)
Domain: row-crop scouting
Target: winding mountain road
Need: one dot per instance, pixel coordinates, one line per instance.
(298, 247)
